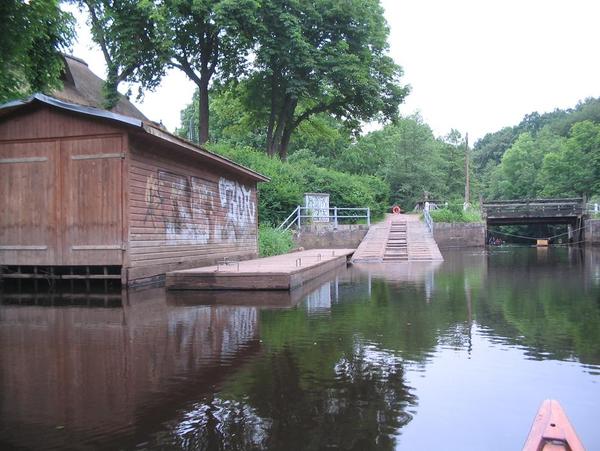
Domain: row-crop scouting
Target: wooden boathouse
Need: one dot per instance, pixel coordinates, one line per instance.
(86, 192)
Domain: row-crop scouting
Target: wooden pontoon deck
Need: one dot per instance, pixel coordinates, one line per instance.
(281, 272)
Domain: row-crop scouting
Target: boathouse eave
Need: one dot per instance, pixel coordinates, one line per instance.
(158, 133)
(142, 127)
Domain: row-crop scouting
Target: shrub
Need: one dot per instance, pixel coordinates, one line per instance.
(273, 242)
(290, 180)
(455, 215)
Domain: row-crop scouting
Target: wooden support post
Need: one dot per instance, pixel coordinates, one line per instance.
(87, 280)
(51, 277)
(467, 176)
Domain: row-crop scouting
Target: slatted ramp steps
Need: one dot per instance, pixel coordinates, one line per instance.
(372, 247)
(280, 272)
(396, 248)
(396, 239)
(421, 245)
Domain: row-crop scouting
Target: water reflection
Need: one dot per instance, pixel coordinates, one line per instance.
(369, 357)
(544, 302)
(93, 375)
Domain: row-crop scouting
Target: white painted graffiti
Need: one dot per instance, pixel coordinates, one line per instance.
(187, 207)
(238, 201)
(318, 206)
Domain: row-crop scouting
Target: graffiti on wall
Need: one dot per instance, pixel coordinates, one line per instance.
(318, 206)
(192, 210)
(236, 199)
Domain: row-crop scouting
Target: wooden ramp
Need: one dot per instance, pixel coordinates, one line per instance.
(396, 239)
(421, 245)
(281, 272)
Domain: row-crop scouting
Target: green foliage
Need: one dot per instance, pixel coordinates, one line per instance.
(455, 213)
(129, 34)
(307, 58)
(289, 182)
(33, 35)
(321, 57)
(206, 40)
(549, 165)
(321, 138)
(519, 168)
(408, 156)
(547, 155)
(273, 242)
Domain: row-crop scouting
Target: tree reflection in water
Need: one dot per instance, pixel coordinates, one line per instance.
(359, 404)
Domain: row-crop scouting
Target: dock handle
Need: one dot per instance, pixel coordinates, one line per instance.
(226, 262)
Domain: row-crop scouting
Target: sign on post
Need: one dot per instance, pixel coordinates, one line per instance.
(317, 206)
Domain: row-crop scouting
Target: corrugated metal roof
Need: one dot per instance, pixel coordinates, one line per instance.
(140, 125)
(87, 110)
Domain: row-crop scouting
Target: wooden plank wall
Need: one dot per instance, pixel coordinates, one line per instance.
(60, 190)
(28, 203)
(183, 213)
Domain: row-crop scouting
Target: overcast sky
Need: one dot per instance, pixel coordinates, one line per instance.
(474, 65)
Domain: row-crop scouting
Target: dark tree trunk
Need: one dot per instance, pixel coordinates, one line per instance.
(281, 121)
(285, 139)
(270, 127)
(272, 117)
(203, 112)
(287, 129)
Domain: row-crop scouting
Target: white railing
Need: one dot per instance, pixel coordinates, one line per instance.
(592, 208)
(428, 220)
(302, 215)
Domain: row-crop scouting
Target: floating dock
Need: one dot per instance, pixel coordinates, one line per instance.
(281, 272)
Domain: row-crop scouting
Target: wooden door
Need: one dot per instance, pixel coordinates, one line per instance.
(28, 203)
(91, 193)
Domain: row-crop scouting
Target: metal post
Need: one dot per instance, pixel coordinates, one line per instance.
(368, 217)
(299, 216)
(335, 220)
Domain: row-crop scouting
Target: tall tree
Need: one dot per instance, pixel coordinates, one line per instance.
(33, 35)
(328, 56)
(132, 43)
(208, 38)
(203, 38)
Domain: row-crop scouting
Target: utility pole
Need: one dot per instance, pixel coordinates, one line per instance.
(467, 177)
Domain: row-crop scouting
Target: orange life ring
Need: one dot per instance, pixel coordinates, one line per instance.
(396, 209)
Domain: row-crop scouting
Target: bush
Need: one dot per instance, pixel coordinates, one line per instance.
(290, 180)
(455, 215)
(273, 242)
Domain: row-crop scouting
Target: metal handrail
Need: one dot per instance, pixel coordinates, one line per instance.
(428, 220)
(292, 215)
(299, 213)
(592, 207)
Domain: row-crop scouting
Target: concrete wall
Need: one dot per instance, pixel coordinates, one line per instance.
(592, 232)
(449, 235)
(325, 237)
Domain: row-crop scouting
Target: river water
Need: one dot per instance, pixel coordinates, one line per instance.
(420, 356)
